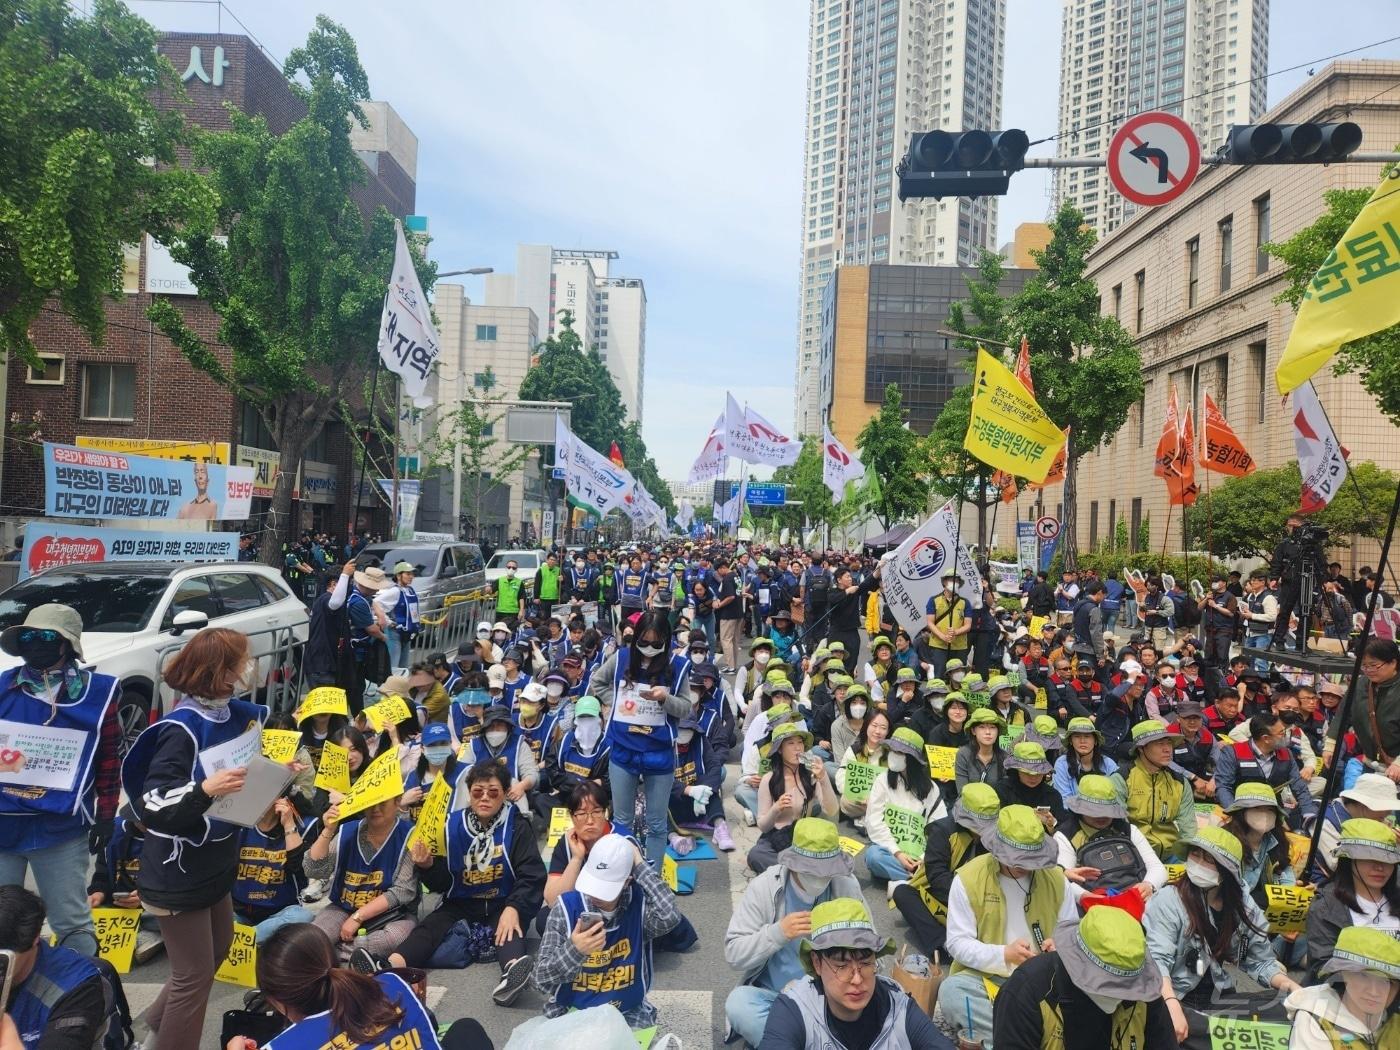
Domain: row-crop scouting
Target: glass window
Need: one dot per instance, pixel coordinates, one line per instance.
(109, 392)
(1193, 270)
(193, 595)
(108, 602)
(486, 333)
(237, 592)
(1227, 250)
(1261, 234)
(1140, 280)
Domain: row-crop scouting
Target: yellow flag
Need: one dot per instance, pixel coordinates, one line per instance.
(1354, 294)
(1008, 430)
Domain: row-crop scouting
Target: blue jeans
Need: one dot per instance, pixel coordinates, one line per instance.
(1258, 641)
(61, 875)
(747, 1008)
(882, 864)
(288, 915)
(963, 996)
(747, 797)
(400, 649)
(1110, 620)
(656, 789)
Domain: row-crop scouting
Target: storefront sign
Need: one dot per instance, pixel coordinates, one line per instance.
(189, 451)
(50, 544)
(87, 483)
(320, 482)
(264, 464)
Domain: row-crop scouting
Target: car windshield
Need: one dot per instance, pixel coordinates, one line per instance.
(423, 559)
(523, 559)
(106, 602)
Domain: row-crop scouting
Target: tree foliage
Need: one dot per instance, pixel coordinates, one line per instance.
(888, 448)
(1375, 359)
(1244, 517)
(804, 483)
(300, 284)
(78, 132)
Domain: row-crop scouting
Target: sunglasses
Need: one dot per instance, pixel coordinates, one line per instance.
(37, 634)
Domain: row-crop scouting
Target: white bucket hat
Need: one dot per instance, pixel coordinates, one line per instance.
(1374, 791)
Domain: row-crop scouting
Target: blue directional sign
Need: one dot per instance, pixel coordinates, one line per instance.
(762, 493)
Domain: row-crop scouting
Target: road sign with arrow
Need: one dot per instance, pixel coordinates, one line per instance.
(1153, 158)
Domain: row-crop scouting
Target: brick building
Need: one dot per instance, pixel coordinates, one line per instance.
(137, 391)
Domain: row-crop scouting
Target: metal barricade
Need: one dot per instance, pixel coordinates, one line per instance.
(449, 621)
(278, 652)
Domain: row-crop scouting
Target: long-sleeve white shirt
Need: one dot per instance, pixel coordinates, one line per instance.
(963, 944)
(1156, 873)
(882, 795)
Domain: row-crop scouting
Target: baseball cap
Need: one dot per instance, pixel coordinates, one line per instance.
(607, 869)
(436, 733)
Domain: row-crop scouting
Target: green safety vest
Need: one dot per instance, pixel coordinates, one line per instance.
(980, 880)
(508, 594)
(549, 584)
(1154, 799)
(1129, 1027)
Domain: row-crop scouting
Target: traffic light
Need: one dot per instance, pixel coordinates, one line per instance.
(1291, 143)
(961, 164)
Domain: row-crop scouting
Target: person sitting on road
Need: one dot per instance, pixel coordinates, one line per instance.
(1160, 802)
(1364, 892)
(269, 872)
(1083, 757)
(1373, 796)
(841, 1002)
(796, 786)
(853, 783)
(1356, 1005)
(1027, 783)
(774, 912)
(1100, 849)
(697, 799)
(501, 741)
(902, 803)
(1256, 819)
(981, 759)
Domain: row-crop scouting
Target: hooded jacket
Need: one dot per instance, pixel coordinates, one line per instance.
(754, 936)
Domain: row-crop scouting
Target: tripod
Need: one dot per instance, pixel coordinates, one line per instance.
(1307, 592)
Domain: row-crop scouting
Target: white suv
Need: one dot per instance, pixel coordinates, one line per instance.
(136, 613)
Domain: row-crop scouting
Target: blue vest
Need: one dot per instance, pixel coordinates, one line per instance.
(57, 971)
(690, 761)
(263, 880)
(83, 715)
(510, 689)
(538, 737)
(624, 737)
(665, 589)
(358, 880)
(497, 879)
(461, 723)
(632, 587)
(414, 1030)
(406, 610)
(509, 756)
(123, 855)
(573, 763)
(453, 771)
(206, 733)
(619, 972)
(360, 638)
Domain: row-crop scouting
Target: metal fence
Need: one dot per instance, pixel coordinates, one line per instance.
(449, 621)
(278, 651)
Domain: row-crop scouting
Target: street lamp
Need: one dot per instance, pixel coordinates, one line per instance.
(475, 271)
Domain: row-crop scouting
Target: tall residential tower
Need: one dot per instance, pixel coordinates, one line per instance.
(879, 71)
(1203, 60)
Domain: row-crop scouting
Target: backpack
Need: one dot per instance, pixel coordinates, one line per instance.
(1188, 614)
(818, 588)
(118, 1033)
(1117, 860)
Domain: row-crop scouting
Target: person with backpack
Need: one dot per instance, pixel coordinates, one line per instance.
(1100, 849)
(1160, 801)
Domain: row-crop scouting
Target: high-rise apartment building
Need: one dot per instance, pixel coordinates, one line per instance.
(1203, 60)
(609, 312)
(877, 72)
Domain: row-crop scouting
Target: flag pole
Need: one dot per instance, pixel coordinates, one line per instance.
(1365, 508)
(364, 450)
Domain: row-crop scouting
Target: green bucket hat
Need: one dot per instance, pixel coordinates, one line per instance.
(1150, 731)
(819, 654)
(816, 850)
(838, 680)
(833, 648)
(880, 640)
(1097, 797)
(938, 687)
(1085, 726)
(984, 716)
(977, 806)
(856, 689)
(780, 686)
(973, 683)
(1366, 839)
(787, 729)
(1258, 796)
(842, 923)
(761, 643)
(997, 683)
(953, 665)
(955, 698)
(906, 674)
(1045, 731)
(1363, 949)
(908, 742)
(1223, 847)
(1018, 840)
(779, 713)
(1028, 757)
(1105, 953)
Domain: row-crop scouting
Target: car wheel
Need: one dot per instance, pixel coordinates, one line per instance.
(133, 714)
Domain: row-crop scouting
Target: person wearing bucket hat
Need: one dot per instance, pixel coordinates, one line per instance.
(1100, 849)
(1003, 909)
(773, 915)
(1257, 820)
(1160, 802)
(903, 699)
(366, 634)
(580, 755)
(981, 759)
(879, 675)
(836, 729)
(1187, 923)
(1045, 731)
(844, 1003)
(1356, 1005)
(1083, 756)
(950, 842)
(1003, 699)
(748, 680)
(1027, 783)
(1099, 988)
(954, 672)
(50, 688)
(1364, 891)
(901, 805)
(1374, 796)
(796, 786)
(948, 726)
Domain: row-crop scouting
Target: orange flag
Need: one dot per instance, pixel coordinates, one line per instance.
(1023, 365)
(615, 456)
(1224, 451)
(1181, 487)
(1168, 445)
(1006, 483)
(1057, 468)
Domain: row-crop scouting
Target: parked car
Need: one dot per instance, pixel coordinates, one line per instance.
(135, 614)
(439, 569)
(527, 559)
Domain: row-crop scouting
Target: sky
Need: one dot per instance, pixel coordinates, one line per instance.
(672, 134)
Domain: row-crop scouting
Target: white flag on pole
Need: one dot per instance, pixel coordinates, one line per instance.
(685, 513)
(914, 572)
(838, 465)
(753, 439)
(589, 476)
(713, 459)
(1322, 459)
(408, 344)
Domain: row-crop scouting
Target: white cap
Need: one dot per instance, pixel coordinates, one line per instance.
(535, 692)
(496, 676)
(484, 627)
(607, 869)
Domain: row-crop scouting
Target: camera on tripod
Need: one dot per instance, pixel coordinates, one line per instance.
(1311, 536)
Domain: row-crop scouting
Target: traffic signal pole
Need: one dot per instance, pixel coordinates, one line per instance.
(1100, 162)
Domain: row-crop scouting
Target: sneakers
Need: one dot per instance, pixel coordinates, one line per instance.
(749, 819)
(362, 960)
(894, 885)
(723, 841)
(513, 981)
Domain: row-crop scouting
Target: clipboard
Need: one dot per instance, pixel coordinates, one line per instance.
(266, 780)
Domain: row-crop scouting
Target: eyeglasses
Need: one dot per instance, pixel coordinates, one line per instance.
(847, 965)
(589, 814)
(35, 634)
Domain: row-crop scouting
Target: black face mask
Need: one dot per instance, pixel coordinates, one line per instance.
(1291, 718)
(40, 656)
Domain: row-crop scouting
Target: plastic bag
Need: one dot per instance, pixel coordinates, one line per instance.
(598, 1028)
(919, 977)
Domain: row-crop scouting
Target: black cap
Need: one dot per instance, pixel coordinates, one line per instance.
(1188, 708)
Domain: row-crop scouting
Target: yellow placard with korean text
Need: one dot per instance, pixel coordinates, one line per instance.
(116, 935)
(333, 774)
(391, 710)
(670, 874)
(241, 964)
(941, 761)
(382, 779)
(160, 448)
(432, 818)
(280, 745)
(851, 847)
(1287, 909)
(324, 700)
(559, 824)
(1037, 622)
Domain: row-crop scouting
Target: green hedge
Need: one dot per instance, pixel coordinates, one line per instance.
(1147, 562)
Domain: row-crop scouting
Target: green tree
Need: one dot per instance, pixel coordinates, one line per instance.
(78, 132)
(888, 450)
(805, 485)
(1244, 517)
(1086, 369)
(299, 286)
(1375, 359)
(564, 371)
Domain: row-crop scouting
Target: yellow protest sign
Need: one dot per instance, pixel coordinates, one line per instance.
(1175, 871)
(382, 779)
(280, 745)
(1287, 909)
(941, 761)
(241, 963)
(116, 935)
(1006, 428)
(991, 988)
(851, 847)
(1042, 699)
(1298, 852)
(559, 824)
(1353, 294)
(391, 710)
(432, 818)
(670, 874)
(333, 774)
(324, 700)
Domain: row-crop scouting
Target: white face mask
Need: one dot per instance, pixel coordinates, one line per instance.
(579, 566)
(684, 736)
(897, 761)
(1264, 820)
(760, 657)
(857, 710)
(697, 658)
(587, 731)
(1105, 1003)
(649, 650)
(809, 887)
(1202, 874)
(510, 573)
(554, 689)
(500, 637)
(497, 737)
(956, 676)
(1168, 683)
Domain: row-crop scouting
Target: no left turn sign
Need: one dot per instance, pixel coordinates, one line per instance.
(1153, 158)
(1047, 528)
